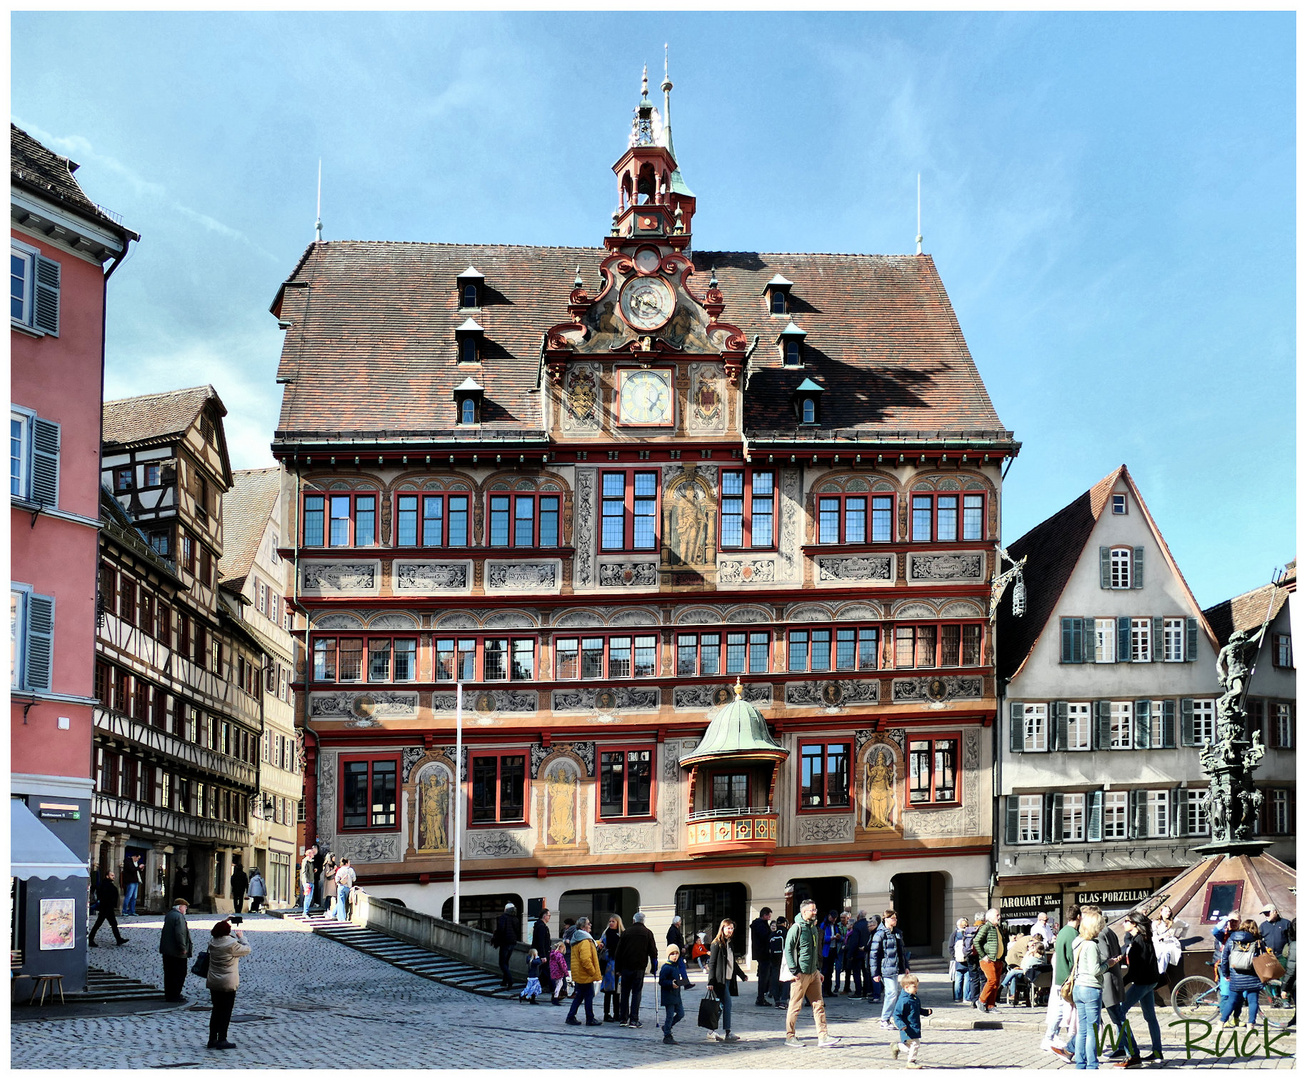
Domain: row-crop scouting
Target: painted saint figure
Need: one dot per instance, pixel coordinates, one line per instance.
(880, 791)
(433, 812)
(562, 795)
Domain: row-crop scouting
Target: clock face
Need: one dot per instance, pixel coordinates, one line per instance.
(647, 302)
(646, 397)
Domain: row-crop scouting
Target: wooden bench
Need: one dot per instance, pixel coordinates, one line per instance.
(15, 969)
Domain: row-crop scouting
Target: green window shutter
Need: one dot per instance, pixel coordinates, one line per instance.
(1105, 568)
(1102, 725)
(45, 462)
(1055, 833)
(1094, 816)
(1084, 650)
(1187, 722)
(1191, 639)
(1181, 813)
(1168, 724)
(1137, 569)
(1138, 808)
(45, 299)
(1017, 728)
(1013, 810)
(1177, 811)
(1123, 639)
(1141, 724)
(39, 659)
(1059, 725)
(1073, 641)
(1048, 818)
(1159, 638)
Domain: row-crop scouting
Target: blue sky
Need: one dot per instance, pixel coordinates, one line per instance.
(1109, 199)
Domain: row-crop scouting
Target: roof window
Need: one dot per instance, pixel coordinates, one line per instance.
(790, 341)
(471, 288)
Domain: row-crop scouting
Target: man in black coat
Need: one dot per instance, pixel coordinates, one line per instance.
(637, 952)
(239, 883)
(855, 950)
(543, 942)
(106, 895)
(506, 935)
(175, 949)
(675, 936)
(760, 943)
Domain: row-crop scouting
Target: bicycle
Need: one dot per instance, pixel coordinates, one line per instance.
(1198, 998)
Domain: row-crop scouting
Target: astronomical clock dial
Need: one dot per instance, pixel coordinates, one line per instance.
(646, 397)
(647, 303)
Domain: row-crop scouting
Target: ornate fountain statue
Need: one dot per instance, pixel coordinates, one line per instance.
(1230, 758)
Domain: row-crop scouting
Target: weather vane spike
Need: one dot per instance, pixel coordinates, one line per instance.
(918, 213)
(317, 228)
(644, 82)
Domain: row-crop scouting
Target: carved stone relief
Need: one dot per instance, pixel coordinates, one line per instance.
(582, 398)
(624, 839)
(628, 574)
(432, 577)
(689, 519)
(833, 829)
(760, 571)
(617, 699)
(790, 538)
(497, 843)
(706, 696)
(936, 688)
(950, 566)
(840, 570)
(707, 407)
(583, 528)
(833, 694)
(365, 705)
(584, 752)
(545, 576)
(354, 577)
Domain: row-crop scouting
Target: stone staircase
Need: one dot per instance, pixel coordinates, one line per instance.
(407, 957)
(103, 986)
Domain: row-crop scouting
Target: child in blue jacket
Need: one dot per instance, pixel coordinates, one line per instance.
(907, 1018)
(669, 988)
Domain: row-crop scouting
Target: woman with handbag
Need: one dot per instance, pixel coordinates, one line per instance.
(723, 973)
(223, 979)
(1086, 979)
(1141, 977)
(1242, 948)
(609, 959)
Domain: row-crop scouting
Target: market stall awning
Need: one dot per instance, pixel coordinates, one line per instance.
(34, 851)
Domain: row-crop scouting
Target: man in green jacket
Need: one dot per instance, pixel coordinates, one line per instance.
(991, 943)
(803, 956)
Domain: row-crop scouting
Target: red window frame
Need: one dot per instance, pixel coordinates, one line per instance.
(606, 639)
(370, 825)
(420, 511)
(747, 501)
(959, 534)
(825, 804)
(449, 673)
(918, 645)
(868, 517)
(934, 737)
(515, 501)
(625, 749)
(498, 755)
(629, 499)
(834, 629)
(329, 516)
(333, 642)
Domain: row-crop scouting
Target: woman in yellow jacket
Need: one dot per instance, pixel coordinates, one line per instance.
(223, 979)
(585, 974)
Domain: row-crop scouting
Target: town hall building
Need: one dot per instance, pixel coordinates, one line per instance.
(704, 539)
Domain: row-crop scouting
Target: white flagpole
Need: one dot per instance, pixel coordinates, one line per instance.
(458, 787)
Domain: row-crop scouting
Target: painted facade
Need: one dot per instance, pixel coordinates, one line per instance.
(599, 512)
(63, 248)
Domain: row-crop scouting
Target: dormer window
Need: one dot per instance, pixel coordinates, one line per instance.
(791, 342)
(469, 336)
(807, 401)
(778, 295)
(467, 399)
(471, 288)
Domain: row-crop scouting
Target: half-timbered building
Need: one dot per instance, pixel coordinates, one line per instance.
(602, 490)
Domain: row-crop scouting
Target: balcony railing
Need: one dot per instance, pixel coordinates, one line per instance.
(158, 822)
(168, 745)
(733, 831)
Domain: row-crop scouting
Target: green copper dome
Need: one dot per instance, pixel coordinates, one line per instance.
(739, 731)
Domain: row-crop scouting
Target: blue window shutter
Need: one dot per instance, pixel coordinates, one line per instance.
(1055, 834)
(45, 462)
(1105, 567)
(39, 659)
(1191, 639)
(1059, 725)
(1017, 735)
(1159, 639)
(1187, 722)
(1123, 639)
(45, 300)
(1141, 724)
(1137, 569)
(1094, 816)
(1102, 725)
(1168, 724)
(1013, 810)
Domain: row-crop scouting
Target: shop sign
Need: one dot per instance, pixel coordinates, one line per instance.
(1113, 898)
(1025, 908)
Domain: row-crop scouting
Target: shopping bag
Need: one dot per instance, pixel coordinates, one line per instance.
(710, 1011)
(1268, 967)
(201, 966)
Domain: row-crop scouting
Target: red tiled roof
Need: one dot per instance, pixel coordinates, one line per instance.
(246, 508)
(371, 347)
(1249, 610)
(41, 170)
(152, 416)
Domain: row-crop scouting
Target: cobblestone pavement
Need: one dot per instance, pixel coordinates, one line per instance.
(305, 1001)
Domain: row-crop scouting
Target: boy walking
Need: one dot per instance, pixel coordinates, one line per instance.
(669, 988)
(907, 1018)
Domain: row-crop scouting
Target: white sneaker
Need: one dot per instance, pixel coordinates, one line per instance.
(826, 1040)
(1046, 1045)
(717, 1035)
(793, 1044)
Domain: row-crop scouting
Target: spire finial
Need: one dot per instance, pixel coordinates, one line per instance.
(577, 280)
(317, 227)
(644, 84)
(918, 213)
(739, 689)
(667, 79)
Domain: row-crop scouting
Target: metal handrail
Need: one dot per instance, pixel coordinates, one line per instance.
(732, 812)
